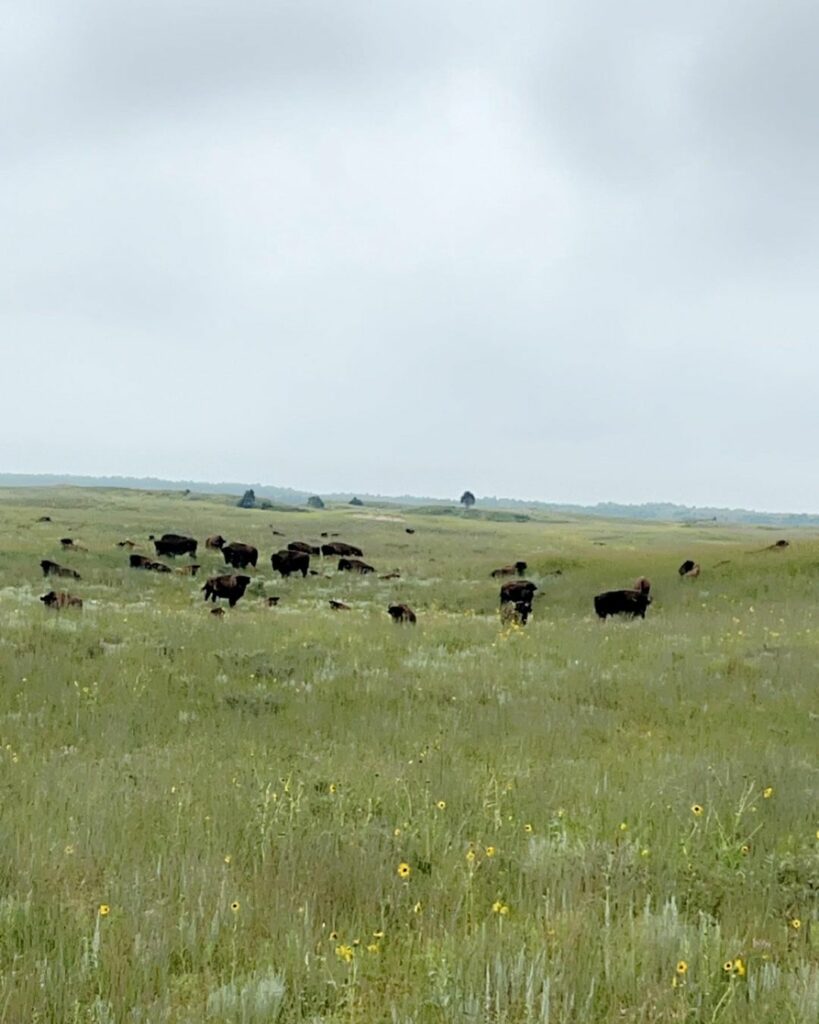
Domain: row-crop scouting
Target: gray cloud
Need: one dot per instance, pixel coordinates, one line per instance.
(561, 251)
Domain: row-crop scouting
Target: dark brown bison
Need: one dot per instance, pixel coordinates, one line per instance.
(69, 544)
(44, 519)
(642, 584)
(60, 599)
(141, 562)
(272, 602)
(519, 568)
(517, 590)
(338, 547)
(689, 568)
(218, 612)
(240, 555)
(622, 602)
(401, 613)
(216, 542)
(408, 529)
(287, 562)
(53, 569)
(232, 588)
(354, 565)
(339, 606)
(301, 545)
(172, 544)
(188, 570)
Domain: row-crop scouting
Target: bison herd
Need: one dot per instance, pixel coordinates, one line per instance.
(516, 595)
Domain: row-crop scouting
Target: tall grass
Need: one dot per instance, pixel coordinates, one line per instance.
(204, 820)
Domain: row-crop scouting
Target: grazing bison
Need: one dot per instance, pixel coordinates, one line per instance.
(338, 547)
(518, 568)
(53, 569)
(230, 587)
(188, 570)
(408, 529)
(69, 544)
(354, 565)
(44, 519)
(339, 606)
(216, 542)
(60, 599)
(272, 602)
(218, 612)
(172, 544)
(141, 562)
(301, 545)
(622, 602)
(401, 613)
(240, 555)
(642, 584)
(287, 562)
(689, 568)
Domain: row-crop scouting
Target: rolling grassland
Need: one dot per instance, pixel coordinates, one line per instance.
(303, 815)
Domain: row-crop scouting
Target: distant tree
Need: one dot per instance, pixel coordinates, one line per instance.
(265, 503)
(248, 499)
(356, 501)
(467, 499)
(315, 502)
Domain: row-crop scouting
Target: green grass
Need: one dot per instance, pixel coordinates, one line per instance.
(287, 760)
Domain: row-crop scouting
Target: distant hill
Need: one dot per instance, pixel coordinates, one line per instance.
(652, 511)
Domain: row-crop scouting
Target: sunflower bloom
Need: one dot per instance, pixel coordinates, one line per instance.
(441, 805)
(696, 810)
(404, 870)
(527, 827)
(795, 923)
(104, 910)
(728, 966)
(490, 851)
(235, 906)
(682, 967)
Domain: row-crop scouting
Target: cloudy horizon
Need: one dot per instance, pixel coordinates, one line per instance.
(560, 251)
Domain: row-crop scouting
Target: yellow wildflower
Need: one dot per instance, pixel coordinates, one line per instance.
(332, 787)
(767, 792)
(795, 923)
(470, 855)
(682, 967)
(745, 849)
(490, 851)
(333, 936)
(623, 826)
(404, 870)
(496, 906)
(235, 906)
(345, 953)
(504, 910)
(728, 966)
(696, 810)
(739, 967)
(527, 827)
(378, 935)
(417, 908)
(104, 910)
(396, 832)
(228, 858)
(373, 947)
(441, 805)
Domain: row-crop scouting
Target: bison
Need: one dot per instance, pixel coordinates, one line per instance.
(408, 529)
(230, 587)
(240, 555)
(338, 547)
(272, 602)
(287, 562)
(517, 612)
(510, 570)
(216, 542)
(402, 613)
(60, 599)
(517, 590)
(141, 562)
(689, 568)
(301, 545)
(172, 544)
(338, 606)
(622, 602)
(354, 565)
(53, 569)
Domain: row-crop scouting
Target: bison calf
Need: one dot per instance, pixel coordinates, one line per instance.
(53, 569)
(60, 599)
(354, 565)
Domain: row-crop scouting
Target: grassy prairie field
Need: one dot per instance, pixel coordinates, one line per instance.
(296, 814)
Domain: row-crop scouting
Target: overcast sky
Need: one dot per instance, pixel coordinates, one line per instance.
(555, 250)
